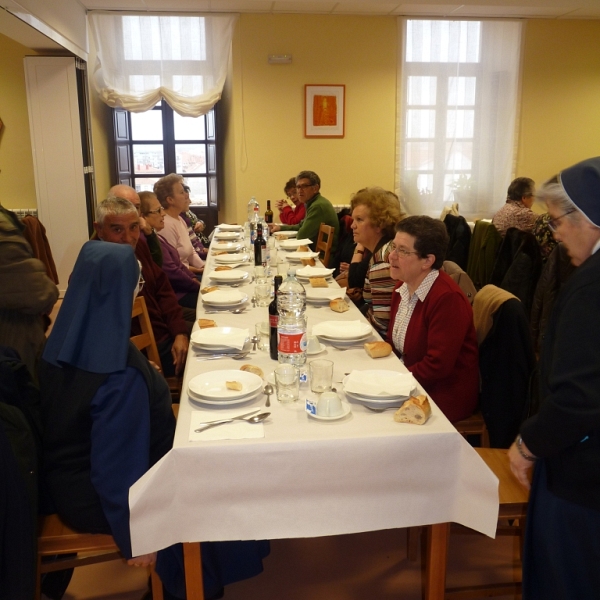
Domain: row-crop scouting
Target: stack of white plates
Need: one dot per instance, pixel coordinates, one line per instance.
(225, 247)
(224, 298)
(232, 276)
(379, 388)
(293, 244)
(343, 332)
(228, 235)
(211, 388)
(304, 273)
(220, 339)
(228, 227)
(298, 256)
(285, 234)
(227, 259)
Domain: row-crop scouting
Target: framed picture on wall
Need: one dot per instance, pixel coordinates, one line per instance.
(324, 111)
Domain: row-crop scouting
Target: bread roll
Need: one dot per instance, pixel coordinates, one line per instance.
(253, 369)
(378, 349)
(209, 288)
(318, 282)
(206, 323)
(339, 305)
(303, 249)
(415, 410)
(308, 262)
(233, 385)
(223, 268)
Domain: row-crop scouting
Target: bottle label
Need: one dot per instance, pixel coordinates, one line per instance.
(292, 343)
(263, 255)
(273, 320)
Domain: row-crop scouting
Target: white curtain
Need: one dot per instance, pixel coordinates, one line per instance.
(143, 58)
(457, 114)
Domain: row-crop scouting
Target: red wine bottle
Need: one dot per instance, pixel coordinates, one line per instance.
(268, 213)
(274, 320)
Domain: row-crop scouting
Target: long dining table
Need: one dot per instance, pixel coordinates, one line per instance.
(308, 477)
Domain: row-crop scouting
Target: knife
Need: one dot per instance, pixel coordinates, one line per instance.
(238, 417)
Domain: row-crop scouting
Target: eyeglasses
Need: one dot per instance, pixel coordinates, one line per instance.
(302, 186)
(401, 251)
(156, 211)
(554, 223)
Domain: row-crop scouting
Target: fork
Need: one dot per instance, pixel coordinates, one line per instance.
(237, 356)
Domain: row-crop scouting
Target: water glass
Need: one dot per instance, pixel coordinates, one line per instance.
(263, 332)
(287, 383)
(262, 291)
(321, 375)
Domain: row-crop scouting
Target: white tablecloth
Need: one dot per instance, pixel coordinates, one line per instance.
(309, 478)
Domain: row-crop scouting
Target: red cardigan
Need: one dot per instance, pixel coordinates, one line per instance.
(292, 216)
(440, 348)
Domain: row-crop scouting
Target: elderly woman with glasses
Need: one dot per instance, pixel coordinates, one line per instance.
(184, 283)
(562, 441)
(431, 325)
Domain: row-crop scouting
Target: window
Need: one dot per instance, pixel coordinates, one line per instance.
(457, 114)
(159, 141)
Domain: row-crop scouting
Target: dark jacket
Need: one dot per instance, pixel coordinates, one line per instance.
(482, 253)
(518, 265)
(460, 240)
(566, 430)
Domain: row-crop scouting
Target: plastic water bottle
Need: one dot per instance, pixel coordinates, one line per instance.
(291, 328)
(253, 204)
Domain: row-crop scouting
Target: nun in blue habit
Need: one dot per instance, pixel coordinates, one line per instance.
(107, 419)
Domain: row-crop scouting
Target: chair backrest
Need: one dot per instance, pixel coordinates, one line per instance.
(325, 246)
(144, 341)
(462, 280)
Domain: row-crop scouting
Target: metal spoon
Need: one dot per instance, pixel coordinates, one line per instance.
(268, 391)
(253, 420)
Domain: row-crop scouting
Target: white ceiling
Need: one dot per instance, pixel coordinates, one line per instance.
(546, 9)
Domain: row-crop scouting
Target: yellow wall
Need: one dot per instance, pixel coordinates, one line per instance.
(265, 137)
(17, 185)
(560, 110)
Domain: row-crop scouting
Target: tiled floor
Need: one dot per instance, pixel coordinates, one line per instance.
(367, 566)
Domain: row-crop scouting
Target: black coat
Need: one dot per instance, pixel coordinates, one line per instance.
(460, 240)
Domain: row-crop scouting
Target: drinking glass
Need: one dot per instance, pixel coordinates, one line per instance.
(287, 383)
(262, 291)
(321, 375)
(263, 332)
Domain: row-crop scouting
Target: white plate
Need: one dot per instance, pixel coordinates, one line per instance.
(285, 234)
(220, 337)
(293, 244)
(381, 375)
(309, 271)
(225, 247)
(227, 227)
(345, 341)
(377, 404)
(212, 386)
(324, 295)
(248, 398)
(342, 330)
(224, 298)
(322, 348)
(231, 258)
(232, 276)
(228, 235)
(298, 256)
(346, 410)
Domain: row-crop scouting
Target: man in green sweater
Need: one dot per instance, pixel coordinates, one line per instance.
(318, 210)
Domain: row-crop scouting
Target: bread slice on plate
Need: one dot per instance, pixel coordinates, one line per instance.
(378, 349)
(415, 410)
(234, 385)
(253, 369)
(308, 262)
(339, 305)
(318, 282)
(206, 323)
(209, 288)
(223, 268)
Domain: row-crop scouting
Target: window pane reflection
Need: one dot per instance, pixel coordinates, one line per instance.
(145, 184)
(422, 90)
(198, 192)
(146, 125)
(148, 158)
(189, 128)
(420, 123)
(190, 158)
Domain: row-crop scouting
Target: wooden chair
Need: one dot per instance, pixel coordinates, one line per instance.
(55, 539)
(513, 499)
(474, 425)
(325, 246)
(145, 342)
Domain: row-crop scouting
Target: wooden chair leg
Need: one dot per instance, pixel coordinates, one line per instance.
(157, 588)
(192, 561)
(413, 536)
(437, 557)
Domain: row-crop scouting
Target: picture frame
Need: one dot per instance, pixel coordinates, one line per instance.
(324, 111)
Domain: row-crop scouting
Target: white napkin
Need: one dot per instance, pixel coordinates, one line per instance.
(384, 384)
(309, 271)
(215, 336)
(238, 430)
(325, 293)
(222, 297)
(342, 329)
(228, 227)
(295, 243)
